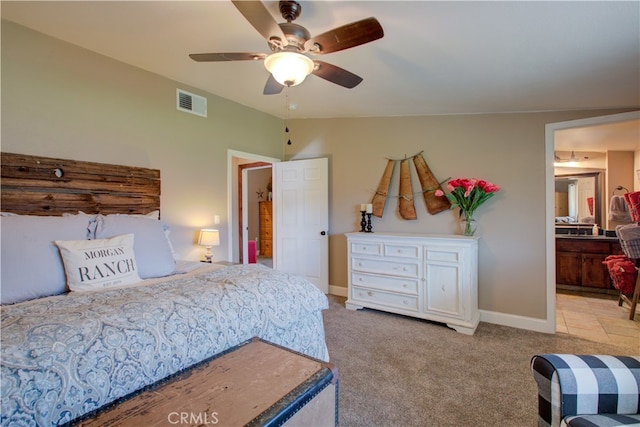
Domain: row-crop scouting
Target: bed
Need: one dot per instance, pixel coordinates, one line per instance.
(128, 314)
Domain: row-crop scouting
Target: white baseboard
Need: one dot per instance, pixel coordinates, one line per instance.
(520, 322)
(511, 320)
(339, 291)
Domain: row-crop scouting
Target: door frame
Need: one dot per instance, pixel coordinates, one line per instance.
(235, 159)
(549, 325)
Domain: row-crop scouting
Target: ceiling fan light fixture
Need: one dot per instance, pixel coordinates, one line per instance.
(289, 68)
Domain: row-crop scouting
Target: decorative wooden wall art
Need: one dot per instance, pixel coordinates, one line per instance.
(429, 185)
(380, 196)
(406, 206)
(405, 194)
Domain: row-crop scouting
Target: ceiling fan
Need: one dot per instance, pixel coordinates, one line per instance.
(290, 43)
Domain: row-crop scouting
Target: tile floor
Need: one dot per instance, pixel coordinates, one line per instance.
(597, 317)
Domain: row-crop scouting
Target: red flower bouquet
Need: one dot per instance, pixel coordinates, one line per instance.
(468, 195)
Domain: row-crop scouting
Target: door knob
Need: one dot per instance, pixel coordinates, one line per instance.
(323, 233)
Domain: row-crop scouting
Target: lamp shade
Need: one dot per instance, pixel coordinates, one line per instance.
(289, 68)
(209, 237)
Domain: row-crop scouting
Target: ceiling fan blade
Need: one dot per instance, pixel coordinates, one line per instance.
(272, 87)
(257, 14)
(227, 56)
(350, 35)
(336, 75)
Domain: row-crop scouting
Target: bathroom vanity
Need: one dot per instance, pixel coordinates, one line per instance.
(579, 261)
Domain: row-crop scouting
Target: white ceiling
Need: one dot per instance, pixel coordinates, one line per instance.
(622, 136)
(437, 57)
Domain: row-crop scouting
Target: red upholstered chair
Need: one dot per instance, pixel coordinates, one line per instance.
(629, 237)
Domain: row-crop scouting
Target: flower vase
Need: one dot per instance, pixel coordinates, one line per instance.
(468, 225)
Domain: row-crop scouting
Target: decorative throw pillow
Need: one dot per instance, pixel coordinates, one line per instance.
(151, 247)
(99, 263)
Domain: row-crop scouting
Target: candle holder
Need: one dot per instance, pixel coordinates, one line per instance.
(363, 222)
(369, 226)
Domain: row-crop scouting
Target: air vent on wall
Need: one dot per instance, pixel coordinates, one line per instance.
(191, 103)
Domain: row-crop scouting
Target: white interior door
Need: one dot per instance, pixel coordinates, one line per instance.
(301, 219)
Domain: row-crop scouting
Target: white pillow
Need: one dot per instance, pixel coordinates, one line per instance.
(153, 253)
(30, 263)
(99, 263)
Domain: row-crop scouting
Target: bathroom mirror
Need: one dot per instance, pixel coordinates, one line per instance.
(578, 199)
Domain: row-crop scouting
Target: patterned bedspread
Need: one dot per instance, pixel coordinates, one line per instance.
(64, 356)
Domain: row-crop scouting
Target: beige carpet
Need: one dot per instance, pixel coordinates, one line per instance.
(399, 371)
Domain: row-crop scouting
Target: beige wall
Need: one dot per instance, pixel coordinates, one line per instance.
(59, 100)
(507, 149)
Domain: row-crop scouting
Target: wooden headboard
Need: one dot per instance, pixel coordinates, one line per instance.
(32, 185)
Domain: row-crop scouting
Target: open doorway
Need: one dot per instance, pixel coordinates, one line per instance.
(243, 201)
(552, 147)
(257, 213)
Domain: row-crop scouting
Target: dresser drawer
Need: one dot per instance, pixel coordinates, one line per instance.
(392, 284)
(265, 247)
(402, 251)
(266, 221)
(443, 255)
(363, 248)
(383, 266)
(405, 302)
(265, 233)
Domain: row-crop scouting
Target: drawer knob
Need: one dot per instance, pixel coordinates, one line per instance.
(370, 293)
(405, 302)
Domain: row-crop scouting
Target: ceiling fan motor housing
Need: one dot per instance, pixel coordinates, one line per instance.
(296, 35)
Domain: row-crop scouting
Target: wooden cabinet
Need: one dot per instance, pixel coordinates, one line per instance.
(579, 261)
(432, 277)
(266, 229)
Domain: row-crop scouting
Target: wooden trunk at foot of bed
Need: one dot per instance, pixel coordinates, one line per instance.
(34, 185)
(254, 384)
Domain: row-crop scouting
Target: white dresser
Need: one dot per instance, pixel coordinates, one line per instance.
(429, 276)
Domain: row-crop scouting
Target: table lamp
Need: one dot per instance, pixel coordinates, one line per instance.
(207, 239)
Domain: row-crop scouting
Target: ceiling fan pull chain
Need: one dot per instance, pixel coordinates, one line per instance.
(286, 120)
